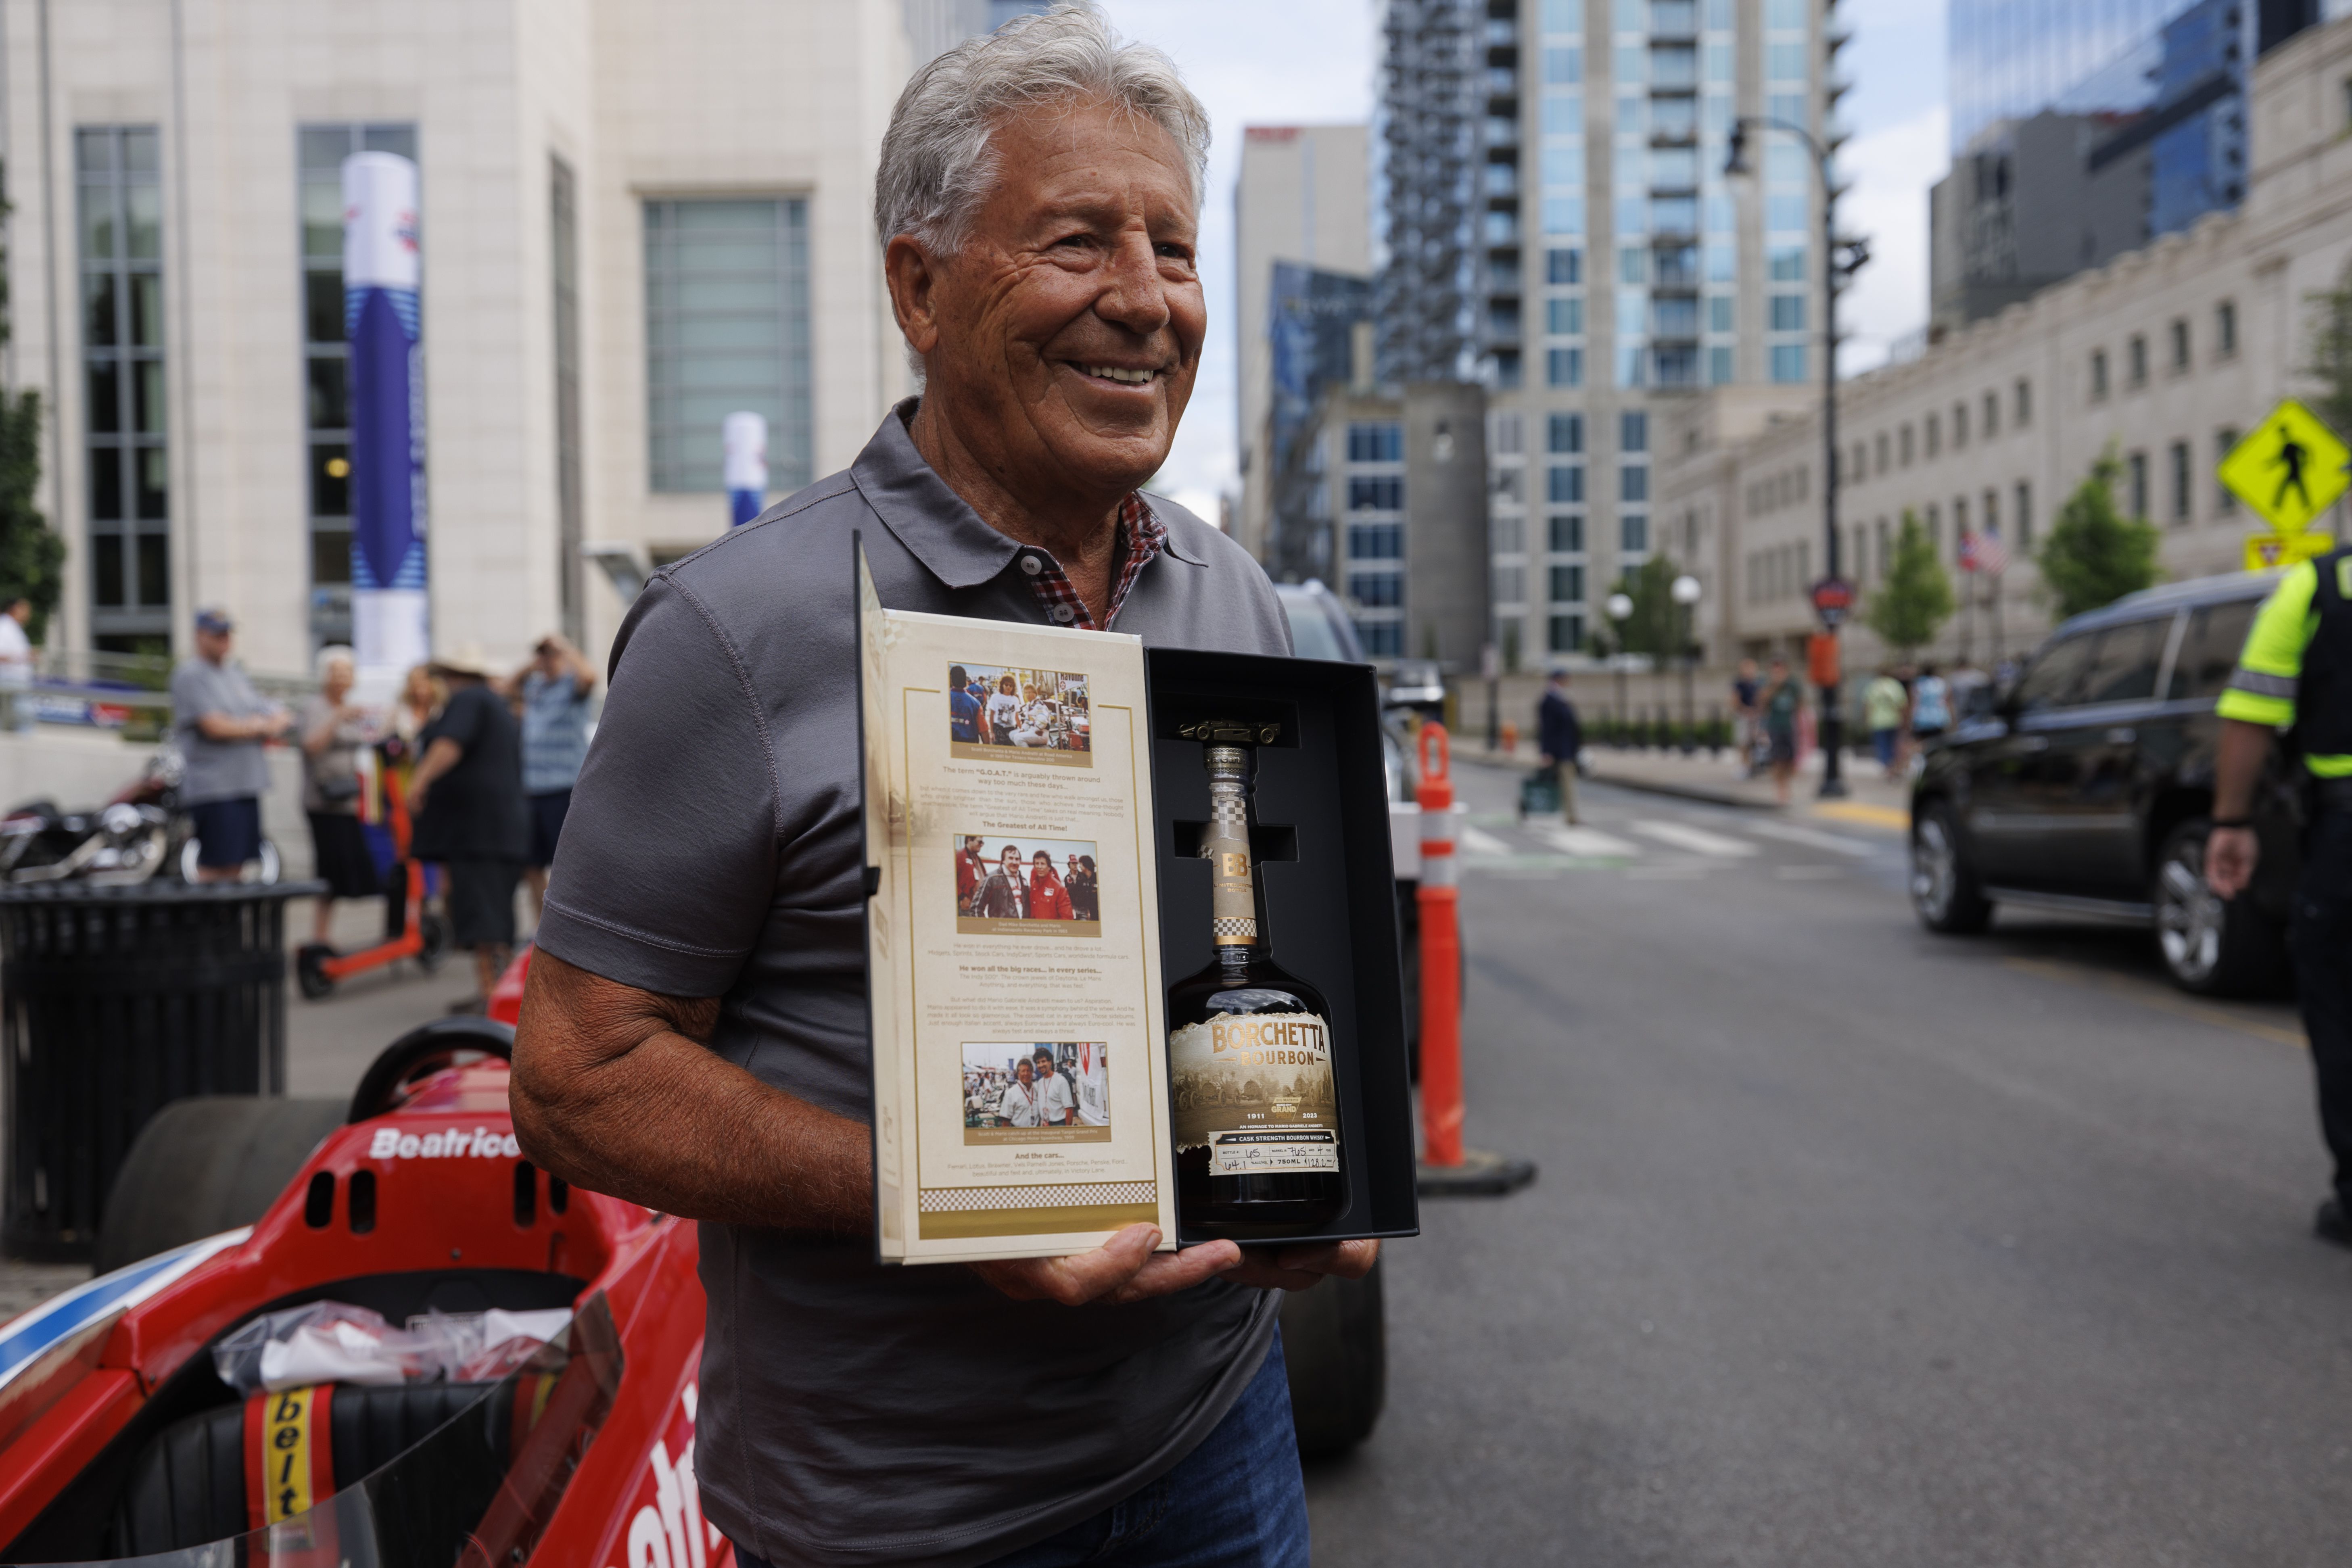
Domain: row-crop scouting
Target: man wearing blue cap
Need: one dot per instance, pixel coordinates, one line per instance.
(220, 723)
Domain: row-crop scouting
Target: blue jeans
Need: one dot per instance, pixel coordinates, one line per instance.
(1881, 742)
(1236, 1501)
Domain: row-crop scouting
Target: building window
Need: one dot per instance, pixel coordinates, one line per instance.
(1991, 414)
(1375, 541)
(1906, 446)
(1510, 584)
(1718, 365)
(1567, 633)
(2024, 515)
(1564, 266)
(1506, 368)
(1718, 314)
(1382, 639)
(1565, 433)
(1634, 534)
(2098, 374)
(727, 328)
(1380, 442)
(1506, 534)
(2225, 500)
(2225, 329)
(1633, 431)
(1564, 315)
(1878, 451)
(2135, 359)
(1566, 533)
(1377, 590)
(1375, 492)
(1564, 367)
(121, 198)
(1879, 545)
(1565, 482)
(2180, 334)
(1959, 425)
(2177, 455)
(1787, 363)
(1568, 585)
(2136, 467)
(1633, 482)
(1786, 312)
(2024, 403)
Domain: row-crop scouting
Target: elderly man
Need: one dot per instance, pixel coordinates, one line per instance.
(220, 723)
(694, 1036)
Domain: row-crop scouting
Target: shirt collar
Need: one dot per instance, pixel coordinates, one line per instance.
(937, 526)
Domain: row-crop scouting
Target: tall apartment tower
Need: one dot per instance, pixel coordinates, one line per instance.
(2080, 132)
(1602, 263)
(1302, 203)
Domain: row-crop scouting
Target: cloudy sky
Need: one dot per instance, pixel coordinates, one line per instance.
(1294, 62)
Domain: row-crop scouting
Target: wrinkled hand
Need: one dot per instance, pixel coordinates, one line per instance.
(1302, 1268)
(1124, 1269)
(2230, 857)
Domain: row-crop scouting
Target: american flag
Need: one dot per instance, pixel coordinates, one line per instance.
(1983, 552)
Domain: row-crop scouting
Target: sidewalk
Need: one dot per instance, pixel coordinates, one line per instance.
(1871, 801)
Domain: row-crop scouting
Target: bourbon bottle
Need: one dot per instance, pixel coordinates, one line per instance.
(1254, 1103)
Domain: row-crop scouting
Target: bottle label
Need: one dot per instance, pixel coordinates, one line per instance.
(1233, 884)
(1256, 1091)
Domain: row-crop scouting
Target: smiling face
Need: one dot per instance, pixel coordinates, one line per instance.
(1061, 341)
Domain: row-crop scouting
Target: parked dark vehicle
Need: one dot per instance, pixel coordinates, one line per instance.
(2087, 787)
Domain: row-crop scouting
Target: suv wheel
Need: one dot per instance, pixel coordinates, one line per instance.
(2210, 947)
(1944, 888)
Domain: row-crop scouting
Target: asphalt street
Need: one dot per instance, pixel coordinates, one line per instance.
(1852, 1244)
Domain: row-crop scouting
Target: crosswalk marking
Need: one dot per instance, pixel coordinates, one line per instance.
(1811, 837)
(1480, 842)
(1698, 840)
(1584, 841)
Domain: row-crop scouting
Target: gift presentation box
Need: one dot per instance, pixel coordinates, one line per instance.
(1326, 882)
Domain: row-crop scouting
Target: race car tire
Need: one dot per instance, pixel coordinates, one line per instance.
(206, 1165)
(428, 1047)
(1335, 1347)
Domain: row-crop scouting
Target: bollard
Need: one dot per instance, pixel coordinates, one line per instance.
(1446, 1168)
(1441, 957)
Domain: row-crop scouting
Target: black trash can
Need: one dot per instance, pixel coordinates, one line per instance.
(115, 1002)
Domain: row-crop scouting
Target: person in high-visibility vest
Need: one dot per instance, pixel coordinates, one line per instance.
(2297, 668)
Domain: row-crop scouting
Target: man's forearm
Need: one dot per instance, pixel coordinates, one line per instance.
(615, 1099)
(2238, 767)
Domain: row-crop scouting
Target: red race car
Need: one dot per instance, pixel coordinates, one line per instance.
(121, 1441)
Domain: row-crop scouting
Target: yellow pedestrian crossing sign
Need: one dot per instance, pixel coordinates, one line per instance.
(2290, 468)
(2264, 551)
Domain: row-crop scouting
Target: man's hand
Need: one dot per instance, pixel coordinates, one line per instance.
(2231, 854)
(1124, 1269)
(1302, 1268)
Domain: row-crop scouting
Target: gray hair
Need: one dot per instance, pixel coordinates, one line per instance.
(330, 656)
(937, 164)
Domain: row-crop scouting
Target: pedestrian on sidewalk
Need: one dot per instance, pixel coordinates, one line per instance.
(1931, 707)
(1780, 703)
(17, 664)
(694, 1034)
(1745, 688)
(1882, 703)
(472, 818)
(553, 690)
(1559, 738)
(220, 723)
(334, 729)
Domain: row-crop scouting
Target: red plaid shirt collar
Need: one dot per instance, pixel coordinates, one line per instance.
(1141, 537)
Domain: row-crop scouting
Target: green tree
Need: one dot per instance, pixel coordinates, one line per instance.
(2331, 353)
(32, 558)
(2095, 555)
(1655, 625)
(1915, 600)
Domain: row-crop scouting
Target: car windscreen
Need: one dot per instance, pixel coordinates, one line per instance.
(1312, 636)
(481, 1487)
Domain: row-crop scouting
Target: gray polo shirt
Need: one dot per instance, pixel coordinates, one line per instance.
(216, 770)
(853, 1413)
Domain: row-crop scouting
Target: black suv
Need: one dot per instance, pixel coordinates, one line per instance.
(2087, 786)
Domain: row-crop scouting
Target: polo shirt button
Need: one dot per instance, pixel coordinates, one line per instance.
(1063, 613)
(1031, 565)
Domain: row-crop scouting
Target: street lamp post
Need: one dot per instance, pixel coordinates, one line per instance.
(1620, 607)
(1687, 591)
(1834, 272)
